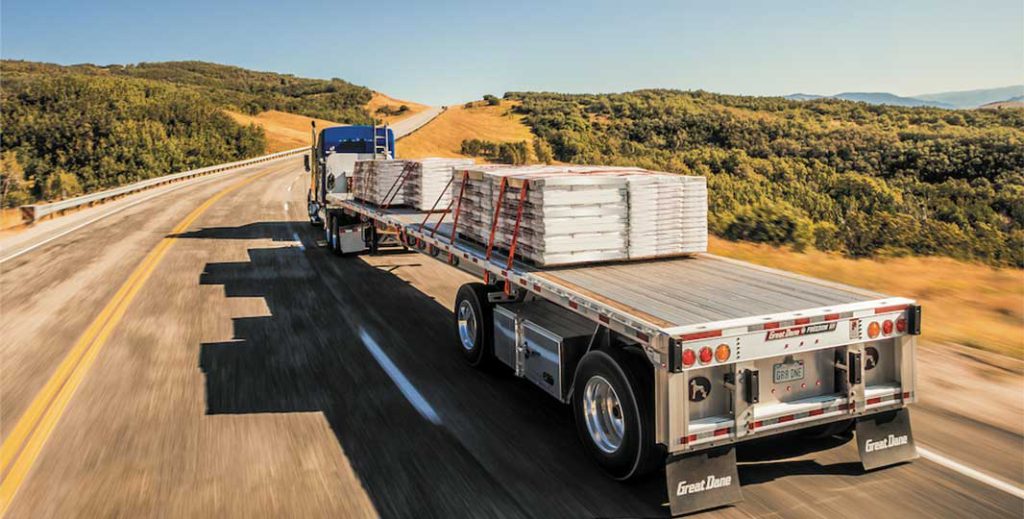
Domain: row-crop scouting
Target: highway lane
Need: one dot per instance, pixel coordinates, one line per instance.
(257, 375)
(414, 122)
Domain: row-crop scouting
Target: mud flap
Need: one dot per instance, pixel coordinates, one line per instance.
(885, 439)
(702, 480)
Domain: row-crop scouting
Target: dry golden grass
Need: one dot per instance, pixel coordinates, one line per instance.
(443, 136)
(378, 100)
(964, 303)
(284, 131)
(10, 218)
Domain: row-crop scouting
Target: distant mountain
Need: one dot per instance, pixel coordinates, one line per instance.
(803, 97)
(874, 98)
(1013, 102)
(885, 98)
(975, 98)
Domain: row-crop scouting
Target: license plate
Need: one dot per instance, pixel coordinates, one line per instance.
(788, 372)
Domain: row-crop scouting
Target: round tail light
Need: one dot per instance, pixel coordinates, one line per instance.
(722, 353)
(901, 325)
(705, 355)
(873, 330)
(887, 327)
(689, 357)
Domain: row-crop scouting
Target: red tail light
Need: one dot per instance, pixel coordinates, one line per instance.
(901, 325)
(705, 355)
(887, 327)
(689, 357)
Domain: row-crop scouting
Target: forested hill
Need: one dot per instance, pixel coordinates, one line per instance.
(837, 175)
(73, 129)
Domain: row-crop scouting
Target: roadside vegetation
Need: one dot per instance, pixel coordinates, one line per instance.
(77, 129)
(838, 176)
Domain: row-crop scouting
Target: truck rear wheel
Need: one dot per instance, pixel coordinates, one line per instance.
(613, 412)
(474, 324)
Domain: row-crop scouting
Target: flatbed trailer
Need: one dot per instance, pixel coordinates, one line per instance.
(676, 360)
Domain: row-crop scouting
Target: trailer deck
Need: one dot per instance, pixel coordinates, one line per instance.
(649, 296)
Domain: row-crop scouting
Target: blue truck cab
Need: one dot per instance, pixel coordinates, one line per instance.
(334, 154)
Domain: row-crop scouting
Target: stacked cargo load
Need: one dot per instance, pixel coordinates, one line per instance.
(567, 218)
(667, 215)
(377, 181)
(695, 214)
(427, 182)
(579, 214)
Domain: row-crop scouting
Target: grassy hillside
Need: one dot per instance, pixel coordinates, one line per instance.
(443, 136)
(74, 129)
(839, 176)
(284, 131)
(252, 92)
(67, 133)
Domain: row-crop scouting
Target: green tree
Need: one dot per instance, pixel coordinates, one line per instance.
(15, 187)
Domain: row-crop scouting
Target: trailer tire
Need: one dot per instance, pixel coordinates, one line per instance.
(613, 410)
(327, 231)
(335, 235)
(474, 325)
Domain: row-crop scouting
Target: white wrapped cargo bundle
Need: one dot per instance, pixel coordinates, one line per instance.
(575, 214)
(427, 182)
(377, 181)
(667, 215)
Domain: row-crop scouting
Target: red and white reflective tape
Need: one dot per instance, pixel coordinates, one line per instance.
(705, 437)
(839, 405)
(800, 321)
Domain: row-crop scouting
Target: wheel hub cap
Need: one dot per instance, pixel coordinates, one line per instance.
(467, 325)
(603, 414)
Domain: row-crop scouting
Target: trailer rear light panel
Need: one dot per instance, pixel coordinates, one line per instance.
(790, 336)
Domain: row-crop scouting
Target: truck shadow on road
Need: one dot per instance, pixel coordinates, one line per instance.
(426, 434)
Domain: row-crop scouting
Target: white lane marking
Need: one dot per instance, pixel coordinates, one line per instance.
(299, 240)
(286, 207)
(411, 394)
(290, 186)
(112, 213)
(991, 481)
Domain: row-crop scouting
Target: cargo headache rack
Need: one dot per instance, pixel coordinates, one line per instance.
(737, 351)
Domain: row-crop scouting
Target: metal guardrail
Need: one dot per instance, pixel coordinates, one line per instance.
(34, 212)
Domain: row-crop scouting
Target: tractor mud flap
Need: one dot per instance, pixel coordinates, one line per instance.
(702, 480)
(885, 439)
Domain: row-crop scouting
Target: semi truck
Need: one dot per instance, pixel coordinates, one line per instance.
(668, 363)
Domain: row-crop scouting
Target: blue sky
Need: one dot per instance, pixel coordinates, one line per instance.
(447, 52)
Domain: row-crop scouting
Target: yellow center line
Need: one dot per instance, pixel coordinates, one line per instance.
(23, 445)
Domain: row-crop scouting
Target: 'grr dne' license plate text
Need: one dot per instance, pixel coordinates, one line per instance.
(788, 372)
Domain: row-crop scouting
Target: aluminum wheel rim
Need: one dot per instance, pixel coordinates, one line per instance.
(603, 414)
(467, 325)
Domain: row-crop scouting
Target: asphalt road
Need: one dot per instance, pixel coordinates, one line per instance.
(252, 373)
